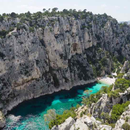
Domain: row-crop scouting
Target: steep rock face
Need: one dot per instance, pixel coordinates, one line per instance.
(83, 123)
(123, 119)
(59, 54)
(66, 125)
(106, 103)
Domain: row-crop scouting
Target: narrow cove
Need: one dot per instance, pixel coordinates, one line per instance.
(32, 111)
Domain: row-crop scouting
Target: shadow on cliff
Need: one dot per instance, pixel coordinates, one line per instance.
(36, 106)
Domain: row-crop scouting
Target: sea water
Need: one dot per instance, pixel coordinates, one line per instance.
(32, 112)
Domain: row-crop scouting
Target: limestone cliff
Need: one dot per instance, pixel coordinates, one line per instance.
(47, 54)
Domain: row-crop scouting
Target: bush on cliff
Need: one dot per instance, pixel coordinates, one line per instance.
(122, 84)
(126, 126)
(61, 118)
(3, 33)
(117, 110)
(95, 97)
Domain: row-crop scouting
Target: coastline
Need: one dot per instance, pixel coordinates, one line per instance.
(106, 80)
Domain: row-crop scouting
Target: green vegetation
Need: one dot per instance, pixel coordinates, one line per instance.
(94, 71)
(35, 20)
(103, 61)
(31, 29)
(126, 126)
(116, 65)
(13, 15)
(61, 118)
(117, 110)
(105, 116)
(122, 84)
(110, 76)
(95, 97)
(3, 33)
(120, 75)
(127, 119)
(114, 93)
(1, 18)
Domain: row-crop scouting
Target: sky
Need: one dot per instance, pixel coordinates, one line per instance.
(119, 9)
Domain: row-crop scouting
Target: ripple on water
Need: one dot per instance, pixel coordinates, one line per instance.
(32, 111)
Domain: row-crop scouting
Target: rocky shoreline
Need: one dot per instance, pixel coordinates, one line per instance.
(43, 54)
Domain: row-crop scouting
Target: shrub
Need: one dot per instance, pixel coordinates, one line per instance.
(117, 110)
(81, 114)
(103, 61)
(122, 84)
(77, 106)
(110, 76)
(3, 33)
(13, 15)
(19, 26)
(126, 126)
(127, 118)
(1, 18)
(120, 75)
(105, 116)
(61, 118)
(114, 93)
(93, 98)
(94, 71)
(112, 125)
(31, 29)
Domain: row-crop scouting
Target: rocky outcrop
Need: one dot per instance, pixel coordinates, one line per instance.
(80, 125)
(59, 53)
(2, 120)
(105, 103)
(51, 58)
(66, 125)
(125, 67)
(125, 117)
(83, 123)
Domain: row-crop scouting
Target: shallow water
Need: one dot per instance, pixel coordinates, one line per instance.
(32, 111)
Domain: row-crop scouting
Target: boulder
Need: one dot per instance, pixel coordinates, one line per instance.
(119, 124)
(67, 124)
(79, 125)
(55, 128)
(88, 121)
(125, 67)
(105, 127)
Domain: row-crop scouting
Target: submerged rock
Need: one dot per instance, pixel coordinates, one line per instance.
(13, 118)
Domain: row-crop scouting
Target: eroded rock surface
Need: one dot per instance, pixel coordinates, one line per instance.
(2, 120)
(60, 53)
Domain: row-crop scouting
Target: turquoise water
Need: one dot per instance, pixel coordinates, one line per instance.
(32, 111)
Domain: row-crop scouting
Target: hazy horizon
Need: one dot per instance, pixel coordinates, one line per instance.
(117, 9)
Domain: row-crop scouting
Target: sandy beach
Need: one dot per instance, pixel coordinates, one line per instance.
(107, 80)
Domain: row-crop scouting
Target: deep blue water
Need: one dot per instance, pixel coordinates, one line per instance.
(32, 111)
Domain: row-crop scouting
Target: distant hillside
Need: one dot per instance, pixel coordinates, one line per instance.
(128, 22)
